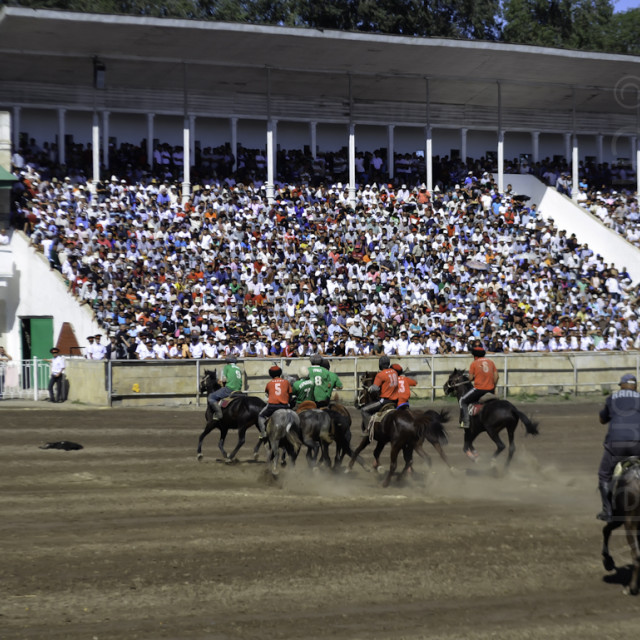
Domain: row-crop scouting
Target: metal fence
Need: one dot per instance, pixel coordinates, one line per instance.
(25, 379)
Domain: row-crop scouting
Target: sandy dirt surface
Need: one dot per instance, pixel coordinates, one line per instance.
(132, 538)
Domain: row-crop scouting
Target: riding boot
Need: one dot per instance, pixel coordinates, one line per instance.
(605, 495)
(464, 423)
(262, 426)
(216, 410)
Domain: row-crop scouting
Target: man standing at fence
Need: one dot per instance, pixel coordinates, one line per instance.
(622, 411)
(4, 358)
(56, 381)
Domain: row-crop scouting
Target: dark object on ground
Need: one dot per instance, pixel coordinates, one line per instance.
(66, 445)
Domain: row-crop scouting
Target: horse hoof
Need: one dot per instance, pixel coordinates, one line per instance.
(608, 563)
(228, 460)
(199, 457)
(256, 456)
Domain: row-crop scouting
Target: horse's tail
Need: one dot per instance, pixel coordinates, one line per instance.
(529, 425)
(293, 426)
(434, 430)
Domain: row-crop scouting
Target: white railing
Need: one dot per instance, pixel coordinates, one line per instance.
(25, 379)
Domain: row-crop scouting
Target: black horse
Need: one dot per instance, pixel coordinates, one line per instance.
(495, 416)
(626, 511)
(240, 414)
(406, 430)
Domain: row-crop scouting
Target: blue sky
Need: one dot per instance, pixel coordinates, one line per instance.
(623, 5)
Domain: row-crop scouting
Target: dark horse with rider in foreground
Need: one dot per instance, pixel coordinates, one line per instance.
(494, 416)
(625, 502)
(240, 412)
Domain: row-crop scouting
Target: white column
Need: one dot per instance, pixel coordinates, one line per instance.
(62, 159)
(599, 148)
(428, 157)
(269, 185)
(352, 164)
(390, 151)
(186, 161)
(234, 142)
(313, 133)
(15, 128)
(105, 139)
(192, 138)
(463, 145)
(574, 168)
(95, 147)
(150, 117)
(5, 146)
(567, 147)
(535, 146)
(501, 161)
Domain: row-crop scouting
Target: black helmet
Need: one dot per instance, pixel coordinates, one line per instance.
(316, 359)
(325, 364)
(275, 371)
(231, 360)
(478, 352)
(384, 362)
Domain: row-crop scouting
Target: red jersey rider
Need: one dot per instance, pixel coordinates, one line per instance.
(278, 391)
(483, 373)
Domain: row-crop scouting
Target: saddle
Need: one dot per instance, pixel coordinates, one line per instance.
(305, 406)
(477, 407)
(235, 395)
(377, 418)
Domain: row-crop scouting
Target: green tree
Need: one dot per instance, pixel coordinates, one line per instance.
(624, 33)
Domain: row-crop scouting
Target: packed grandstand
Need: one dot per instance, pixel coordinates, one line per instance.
(403, 272)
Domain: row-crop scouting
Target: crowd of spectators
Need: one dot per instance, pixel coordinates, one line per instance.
(404, 271)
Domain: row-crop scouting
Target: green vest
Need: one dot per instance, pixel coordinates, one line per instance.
(321, 379)
(302, 389)
(233, 375)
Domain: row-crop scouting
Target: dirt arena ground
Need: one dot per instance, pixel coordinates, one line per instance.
(132, 538)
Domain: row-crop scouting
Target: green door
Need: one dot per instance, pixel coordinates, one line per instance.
(37, 344)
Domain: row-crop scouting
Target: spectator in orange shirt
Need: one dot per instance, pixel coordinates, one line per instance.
(278, 392)
(483, 373)
(404, 386)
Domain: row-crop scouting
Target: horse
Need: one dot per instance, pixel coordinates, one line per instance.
(239, 414)
(495, 416)
(406, 430)
(283, 429)
(315, 428)
(626, 511)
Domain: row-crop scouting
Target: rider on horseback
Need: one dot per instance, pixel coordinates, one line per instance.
(483, 373)
(278, 391)
(622, 410)
(404, 386)
(334, 383)
(321, 379)
(231, 381)
(386, 385)
(303, 387)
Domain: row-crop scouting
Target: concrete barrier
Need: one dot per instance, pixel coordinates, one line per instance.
(171, 382)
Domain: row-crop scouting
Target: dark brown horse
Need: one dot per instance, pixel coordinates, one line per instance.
(406, 430)
(625, 502)
(495, 416)
(239, 415)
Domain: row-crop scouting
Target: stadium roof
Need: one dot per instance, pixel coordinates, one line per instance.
(45, 48)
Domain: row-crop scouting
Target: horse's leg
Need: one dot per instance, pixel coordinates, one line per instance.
(607, 560)
(423, 454)
(438, 447)
(363, 444)
(407, 454)
(223, 436)
(380, 445)
(632, 538)
(393, 463)
(500, 446)
(470, 435)
(207, 430)
(325, 458)
(512, 443)
(241, 439)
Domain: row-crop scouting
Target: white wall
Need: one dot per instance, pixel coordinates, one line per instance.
(574, 219)
(35, 290)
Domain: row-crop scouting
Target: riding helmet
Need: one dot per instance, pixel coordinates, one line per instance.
(384, 362)
(316, 359)
(397, 367)
(478, 352)
(231, 360)
(275, 371)
(325, 364)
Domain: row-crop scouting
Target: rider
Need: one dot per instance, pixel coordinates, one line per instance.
(278, 391)
(323, 394)
(622, 410)
(404, 386)
(483, 373)
(303, 387)
(321, 379)
(386, 384)
(231, 381)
